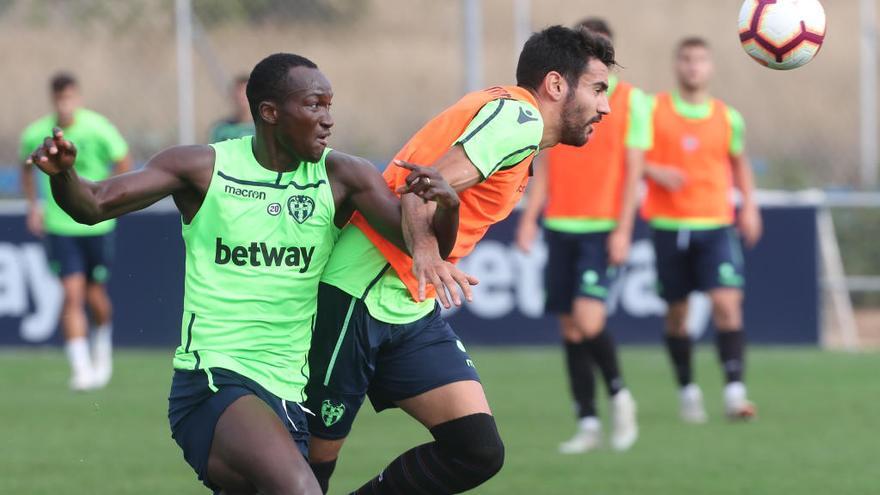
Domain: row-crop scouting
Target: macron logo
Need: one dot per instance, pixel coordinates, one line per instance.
(244, 193)
(259, 254)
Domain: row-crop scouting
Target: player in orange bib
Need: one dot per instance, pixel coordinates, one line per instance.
(589, 198)
(696, 161)
(379, 331)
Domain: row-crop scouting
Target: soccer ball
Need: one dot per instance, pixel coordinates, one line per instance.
(782, 34)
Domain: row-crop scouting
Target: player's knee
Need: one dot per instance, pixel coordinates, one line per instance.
(489, 456)
(728, 319)
(727, 315)
(473, 446)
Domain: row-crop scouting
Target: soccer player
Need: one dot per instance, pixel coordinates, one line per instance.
(240, 123)
(80, 255)
(259, 217)
(379, 332)
(698, 157)
(591, 199)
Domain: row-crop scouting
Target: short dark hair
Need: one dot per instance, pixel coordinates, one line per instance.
(564, 50)
(62, 81)
(596, 25)
(269, 77)
(692, 42)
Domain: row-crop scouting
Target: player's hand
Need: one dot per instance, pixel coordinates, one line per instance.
(669, 178)
(750, 225)
(55, 155)
(34, 220)
(446, 278)
(526, 233)
(619, 243)
(428, 184)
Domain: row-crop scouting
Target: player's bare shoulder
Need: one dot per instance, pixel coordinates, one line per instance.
(191, 167)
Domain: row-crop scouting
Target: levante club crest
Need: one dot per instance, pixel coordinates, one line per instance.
(331, 413)
(300, 207)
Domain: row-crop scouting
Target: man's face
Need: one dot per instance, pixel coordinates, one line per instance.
(585, 105)
(66, 101)
(693, 67)
(303, 119)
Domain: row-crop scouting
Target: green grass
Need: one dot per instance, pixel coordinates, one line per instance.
(817, 431)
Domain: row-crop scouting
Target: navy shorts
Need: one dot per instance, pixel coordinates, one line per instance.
(354, 355)
(697, 260)
(89, 255)
(195, 405)
(577, 266)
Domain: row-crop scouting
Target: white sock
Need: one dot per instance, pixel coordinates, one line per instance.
(102, 339)
(735, 392)
(589, 423)
(78, 354)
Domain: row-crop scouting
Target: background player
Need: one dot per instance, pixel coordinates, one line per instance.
(697, 158)
(591, 199)
(80, 255)
(241, 366)
(390, 340)
(239, 123)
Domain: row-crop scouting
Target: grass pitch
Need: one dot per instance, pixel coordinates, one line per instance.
(816, 432)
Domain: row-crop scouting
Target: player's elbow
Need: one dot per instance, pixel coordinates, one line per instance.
(84, 218)
(82, 215)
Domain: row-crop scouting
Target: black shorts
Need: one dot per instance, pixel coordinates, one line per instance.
(697, 260)
(354, 355)
(577, 266)
(89, 255)
(195, 405)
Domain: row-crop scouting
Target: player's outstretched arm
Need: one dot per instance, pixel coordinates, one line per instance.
(169, 172)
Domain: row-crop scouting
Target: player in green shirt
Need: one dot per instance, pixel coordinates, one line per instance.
(80, 255)
(239, 123)
(259, 217)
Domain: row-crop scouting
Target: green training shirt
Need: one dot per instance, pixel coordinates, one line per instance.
(493, 142)
(254, 256)
(98, 146)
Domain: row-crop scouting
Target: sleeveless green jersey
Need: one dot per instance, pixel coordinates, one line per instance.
(254, 255)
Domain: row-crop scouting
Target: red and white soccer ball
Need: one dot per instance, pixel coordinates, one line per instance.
(782, 34)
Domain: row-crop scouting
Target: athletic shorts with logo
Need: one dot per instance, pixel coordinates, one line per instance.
(354, 355)
(697, 260)
(88, 255)
(577, 266)
(199, 397)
